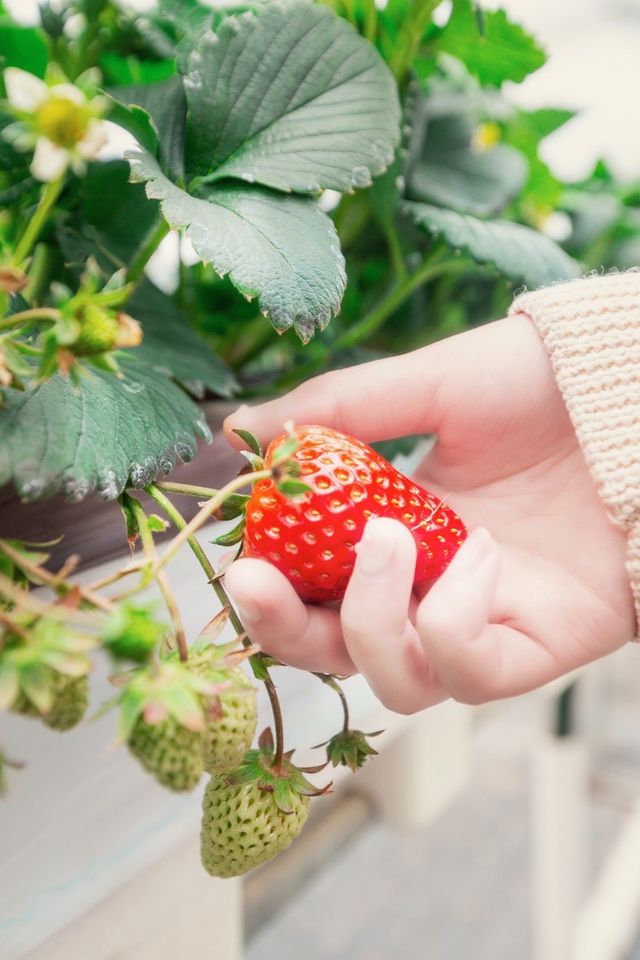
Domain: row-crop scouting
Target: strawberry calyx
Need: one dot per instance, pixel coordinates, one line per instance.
(281, 778)
(350, 748)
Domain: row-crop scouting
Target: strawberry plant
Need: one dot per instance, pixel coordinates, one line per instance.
(347, 180)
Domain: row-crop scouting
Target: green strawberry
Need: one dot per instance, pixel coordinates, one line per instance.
(242, 826)
(168, 750)
(98, 331)
(43, 673)
(69, 701)
(252, 814)
(227, 737)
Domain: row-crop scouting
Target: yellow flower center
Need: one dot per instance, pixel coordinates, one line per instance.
(62, 121)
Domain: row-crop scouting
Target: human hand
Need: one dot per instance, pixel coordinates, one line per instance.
(544, 592)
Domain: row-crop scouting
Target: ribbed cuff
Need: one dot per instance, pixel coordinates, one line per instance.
(591, 330)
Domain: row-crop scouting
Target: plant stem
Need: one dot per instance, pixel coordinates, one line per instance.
(185, 488)
(52, 580)
(395, 251)
(277, 723)
(430, 269)
(25, 316)
(153, 241)
(331, 681)
(149, 547)
(178, 520)
(206, 512)
(27, 601)
(50, 194)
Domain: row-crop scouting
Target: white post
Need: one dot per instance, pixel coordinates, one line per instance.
(423, 768)
(559, 800)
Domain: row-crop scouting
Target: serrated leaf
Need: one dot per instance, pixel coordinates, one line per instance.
(284, 250)
(165, 105)
(517, 252)
(495, 50)
(290, 96)
(100, 435)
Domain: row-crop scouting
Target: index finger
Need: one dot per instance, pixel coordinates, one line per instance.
(373, 401)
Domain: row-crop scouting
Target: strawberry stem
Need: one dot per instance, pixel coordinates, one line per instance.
(206, 512)
(257, 661)
(278, 725)
(52, 580)
(188, 489)
(331, 681)
(149, 547)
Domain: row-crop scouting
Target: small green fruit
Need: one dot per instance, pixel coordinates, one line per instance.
(70, 697)
(227, 738)
(98, 331)
(169, 751)
(242, 826)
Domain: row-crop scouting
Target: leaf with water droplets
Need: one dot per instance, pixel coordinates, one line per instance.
(291, 97)
(100, 434)
(282, 249)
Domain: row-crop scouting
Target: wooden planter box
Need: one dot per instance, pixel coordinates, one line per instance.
(93, 528)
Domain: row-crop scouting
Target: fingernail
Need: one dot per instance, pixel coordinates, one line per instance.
(374, 549)
(473, 551)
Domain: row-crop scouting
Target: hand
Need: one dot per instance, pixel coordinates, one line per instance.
(544, 592)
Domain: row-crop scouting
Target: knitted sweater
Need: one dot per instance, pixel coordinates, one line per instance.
(591, 330)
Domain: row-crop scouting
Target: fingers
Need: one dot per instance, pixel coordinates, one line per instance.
(477, 660)
(381, 641)
(274, 617)
(374, 401)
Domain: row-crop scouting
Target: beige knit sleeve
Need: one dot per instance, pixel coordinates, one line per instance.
(591, 330)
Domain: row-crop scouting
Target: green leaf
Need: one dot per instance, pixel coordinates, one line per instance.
(171, 347)
(283, 250)
(35, 681)
(525, 130)
(294, 488)
(100, 435)
(452, 173)
(136, 121)
(165, 104)
(494, 51)
(23, 47)
(290, 97)
(232, 537)
(127, 71)
(517, 252)
(251, 441)
(9, 683)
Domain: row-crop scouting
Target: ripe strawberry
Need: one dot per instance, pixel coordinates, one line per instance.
(311, 538)
(226, 738)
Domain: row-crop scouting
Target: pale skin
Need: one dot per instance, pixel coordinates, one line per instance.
(540, 586)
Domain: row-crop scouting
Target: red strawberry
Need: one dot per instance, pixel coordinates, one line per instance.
(311, 538)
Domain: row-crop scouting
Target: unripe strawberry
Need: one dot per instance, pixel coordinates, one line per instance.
(169, 751)
(242, 826)
(69, 700)
(98, 331)
(226, 738)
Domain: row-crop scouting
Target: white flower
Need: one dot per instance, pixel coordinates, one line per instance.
(58, 122)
